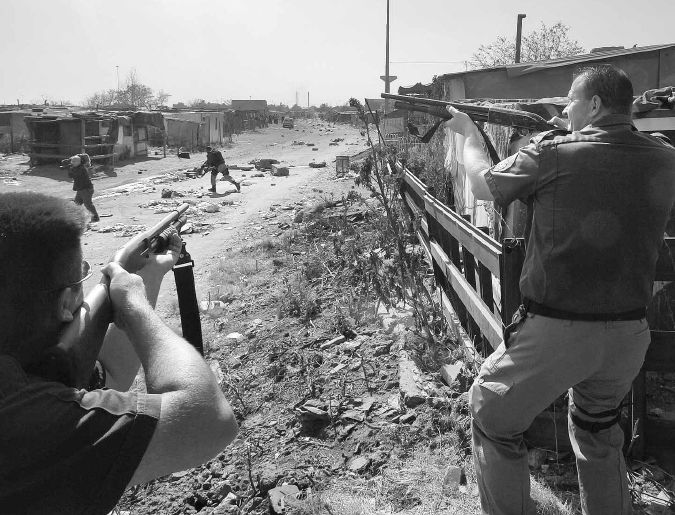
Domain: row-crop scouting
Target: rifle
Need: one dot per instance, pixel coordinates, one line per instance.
(73, 359)
(495, 115)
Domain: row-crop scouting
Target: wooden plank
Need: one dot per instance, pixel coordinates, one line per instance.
(425, 226)
(484, 248)
(424, 241)
(661, 353)
(448, 312)
(485, 278)
(83, 133)
(415, 184)
(66, 156)
(56, 145)
(665, 266)
(412, 204)
(487, 322)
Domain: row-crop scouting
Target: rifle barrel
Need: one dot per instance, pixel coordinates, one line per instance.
(495, 115)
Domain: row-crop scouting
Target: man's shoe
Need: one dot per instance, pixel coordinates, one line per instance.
(212, 189)
(238, 185)
(95, 219)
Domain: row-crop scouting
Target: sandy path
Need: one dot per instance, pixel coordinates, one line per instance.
(223, 230)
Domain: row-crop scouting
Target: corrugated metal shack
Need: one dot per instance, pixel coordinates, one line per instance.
(253, 114)
(104, 136)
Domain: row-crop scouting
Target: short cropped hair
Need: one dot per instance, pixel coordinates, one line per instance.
(40, 250)
(612, 85)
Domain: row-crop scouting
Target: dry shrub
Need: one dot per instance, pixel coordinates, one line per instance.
(298, 300)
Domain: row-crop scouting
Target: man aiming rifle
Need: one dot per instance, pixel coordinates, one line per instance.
(216, 164)
(599, 195)
(69, 450)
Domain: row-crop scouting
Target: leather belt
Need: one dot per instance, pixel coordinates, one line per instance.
(539, 309)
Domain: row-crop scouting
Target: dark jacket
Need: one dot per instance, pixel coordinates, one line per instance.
(214, 158)
(81, 176)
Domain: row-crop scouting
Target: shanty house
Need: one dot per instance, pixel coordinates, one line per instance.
(211, 128)
(104, 136)
(13, 130)
(253, 113)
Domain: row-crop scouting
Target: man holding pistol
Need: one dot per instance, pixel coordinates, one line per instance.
(64, 450)
(599, 195)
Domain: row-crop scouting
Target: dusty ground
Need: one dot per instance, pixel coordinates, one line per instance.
(120, 192)
(280, 371)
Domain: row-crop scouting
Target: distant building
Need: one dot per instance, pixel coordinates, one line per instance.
(103, 135)
(252, 113)
(648, 67)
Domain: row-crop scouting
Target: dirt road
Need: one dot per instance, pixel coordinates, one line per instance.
(124, 196)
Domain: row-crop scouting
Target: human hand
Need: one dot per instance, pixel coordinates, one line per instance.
(460, 122)
(560, 123)
(127, 293)
(157, 265)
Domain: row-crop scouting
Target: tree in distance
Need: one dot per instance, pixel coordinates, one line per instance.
(134, 94)
(548, 43)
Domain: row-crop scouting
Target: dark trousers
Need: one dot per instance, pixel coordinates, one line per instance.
(84, 197)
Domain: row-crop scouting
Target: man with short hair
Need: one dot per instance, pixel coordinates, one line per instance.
(216, 164)
(64, 450)
(82, 185)
(599, 197)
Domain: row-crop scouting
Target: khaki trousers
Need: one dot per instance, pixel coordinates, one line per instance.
(596, 362)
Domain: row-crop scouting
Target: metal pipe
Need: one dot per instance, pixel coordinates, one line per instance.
(519, 35)
(386, 65)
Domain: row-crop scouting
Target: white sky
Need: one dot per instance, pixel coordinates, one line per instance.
(270, 49)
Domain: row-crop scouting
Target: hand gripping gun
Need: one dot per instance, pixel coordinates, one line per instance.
(73, 359)
(495, 115)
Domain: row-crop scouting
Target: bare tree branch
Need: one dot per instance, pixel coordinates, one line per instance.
(547, 43)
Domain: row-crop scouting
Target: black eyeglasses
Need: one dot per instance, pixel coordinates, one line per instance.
(87, 272)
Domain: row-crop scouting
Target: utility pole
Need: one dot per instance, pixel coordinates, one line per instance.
(308, 100)
(118, 84)
(386, 77)
(519, 35)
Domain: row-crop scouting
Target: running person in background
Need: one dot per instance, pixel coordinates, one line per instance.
(216, 164)
(82, 185)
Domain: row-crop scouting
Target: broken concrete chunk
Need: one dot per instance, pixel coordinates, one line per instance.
(452, 478)
(411, 393)
(332, 343)
(277, 497)
(359, 464)
(408, 418)
(280, 171)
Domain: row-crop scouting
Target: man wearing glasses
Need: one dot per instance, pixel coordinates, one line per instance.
(64, 450)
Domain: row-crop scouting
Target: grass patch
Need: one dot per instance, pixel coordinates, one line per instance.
(415, 486)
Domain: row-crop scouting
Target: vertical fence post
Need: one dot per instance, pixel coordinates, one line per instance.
(470, 274)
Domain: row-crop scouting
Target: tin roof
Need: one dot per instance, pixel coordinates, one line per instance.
(516, 69)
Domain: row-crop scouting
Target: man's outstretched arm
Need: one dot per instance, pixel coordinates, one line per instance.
(196, 421)
(117, 355)
(476, 162)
